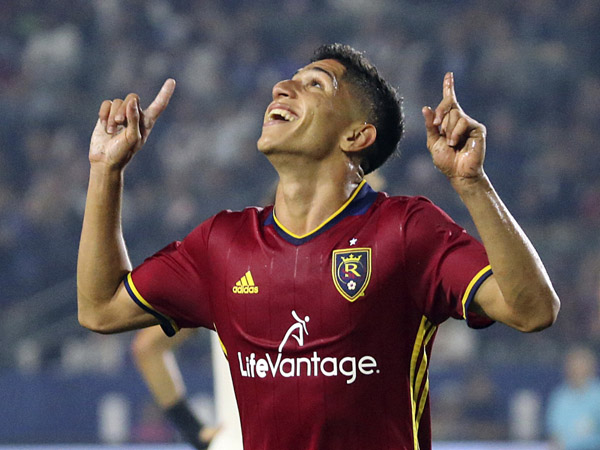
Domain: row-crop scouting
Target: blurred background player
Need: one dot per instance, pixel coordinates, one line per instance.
(154, 356)
(573, 415)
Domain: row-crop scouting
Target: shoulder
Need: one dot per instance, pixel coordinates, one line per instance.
(250, 213)
(403, 201)
(228, 216)
(227, 222)
(410, 207)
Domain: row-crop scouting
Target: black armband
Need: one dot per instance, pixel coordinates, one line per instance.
(181, 415)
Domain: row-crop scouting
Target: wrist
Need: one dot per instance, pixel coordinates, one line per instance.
(101, 169)
(186, 421)
(105, 177)
(468, 187)
(105, 185)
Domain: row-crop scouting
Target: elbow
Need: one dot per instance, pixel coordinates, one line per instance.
(94, 315)
(542, 318)
(86, 322)
(94, 323)
(535, 325)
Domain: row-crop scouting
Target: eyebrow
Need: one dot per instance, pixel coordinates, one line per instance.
(320, 69)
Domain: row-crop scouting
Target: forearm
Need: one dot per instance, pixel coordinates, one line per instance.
(530, 300)
(102, 260)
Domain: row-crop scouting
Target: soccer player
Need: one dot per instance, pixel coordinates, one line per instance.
(327, 303)
(153, 354)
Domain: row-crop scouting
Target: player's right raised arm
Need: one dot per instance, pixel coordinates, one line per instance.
(121, 130)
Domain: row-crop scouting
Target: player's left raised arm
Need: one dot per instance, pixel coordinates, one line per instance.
(520, 293)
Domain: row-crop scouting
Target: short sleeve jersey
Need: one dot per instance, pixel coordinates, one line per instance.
(328, 335)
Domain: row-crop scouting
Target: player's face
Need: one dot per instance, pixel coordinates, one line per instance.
(309, 112)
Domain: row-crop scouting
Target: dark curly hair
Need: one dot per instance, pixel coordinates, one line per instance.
(383, 104)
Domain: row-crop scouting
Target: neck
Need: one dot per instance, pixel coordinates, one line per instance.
(306, 197)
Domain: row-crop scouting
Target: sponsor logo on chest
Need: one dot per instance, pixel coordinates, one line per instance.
(275, 366)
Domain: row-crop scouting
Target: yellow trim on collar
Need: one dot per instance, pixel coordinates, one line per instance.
(329, 219)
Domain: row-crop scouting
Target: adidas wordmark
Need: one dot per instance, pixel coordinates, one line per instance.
(245, 285)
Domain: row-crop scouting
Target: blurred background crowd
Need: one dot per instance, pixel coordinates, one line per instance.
(527, 69)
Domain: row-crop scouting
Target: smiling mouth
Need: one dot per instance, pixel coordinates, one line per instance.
(282, 115)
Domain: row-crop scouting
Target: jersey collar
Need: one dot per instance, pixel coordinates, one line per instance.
(359, 202)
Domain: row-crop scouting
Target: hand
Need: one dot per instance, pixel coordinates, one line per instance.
(455, 140)
(207, 434)
(123, 127)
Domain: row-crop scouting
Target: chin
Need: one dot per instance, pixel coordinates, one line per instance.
(266, 146)
(263, 146)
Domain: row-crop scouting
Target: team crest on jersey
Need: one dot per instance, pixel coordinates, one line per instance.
(351, 271)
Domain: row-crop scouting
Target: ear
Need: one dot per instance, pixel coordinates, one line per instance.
(358, 136)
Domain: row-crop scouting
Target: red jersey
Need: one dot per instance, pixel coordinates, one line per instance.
(328, 335)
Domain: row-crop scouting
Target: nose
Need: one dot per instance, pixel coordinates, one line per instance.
(285, 88)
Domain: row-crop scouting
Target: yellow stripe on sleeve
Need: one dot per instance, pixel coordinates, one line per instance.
(473, 282)
(145, 303)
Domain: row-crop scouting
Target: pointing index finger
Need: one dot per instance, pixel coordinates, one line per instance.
(159, 104)
(449, 100)
(449, 92)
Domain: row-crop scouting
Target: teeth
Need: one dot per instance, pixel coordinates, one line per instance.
(285, 114)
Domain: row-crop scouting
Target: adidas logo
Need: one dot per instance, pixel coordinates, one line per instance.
(245, 285)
